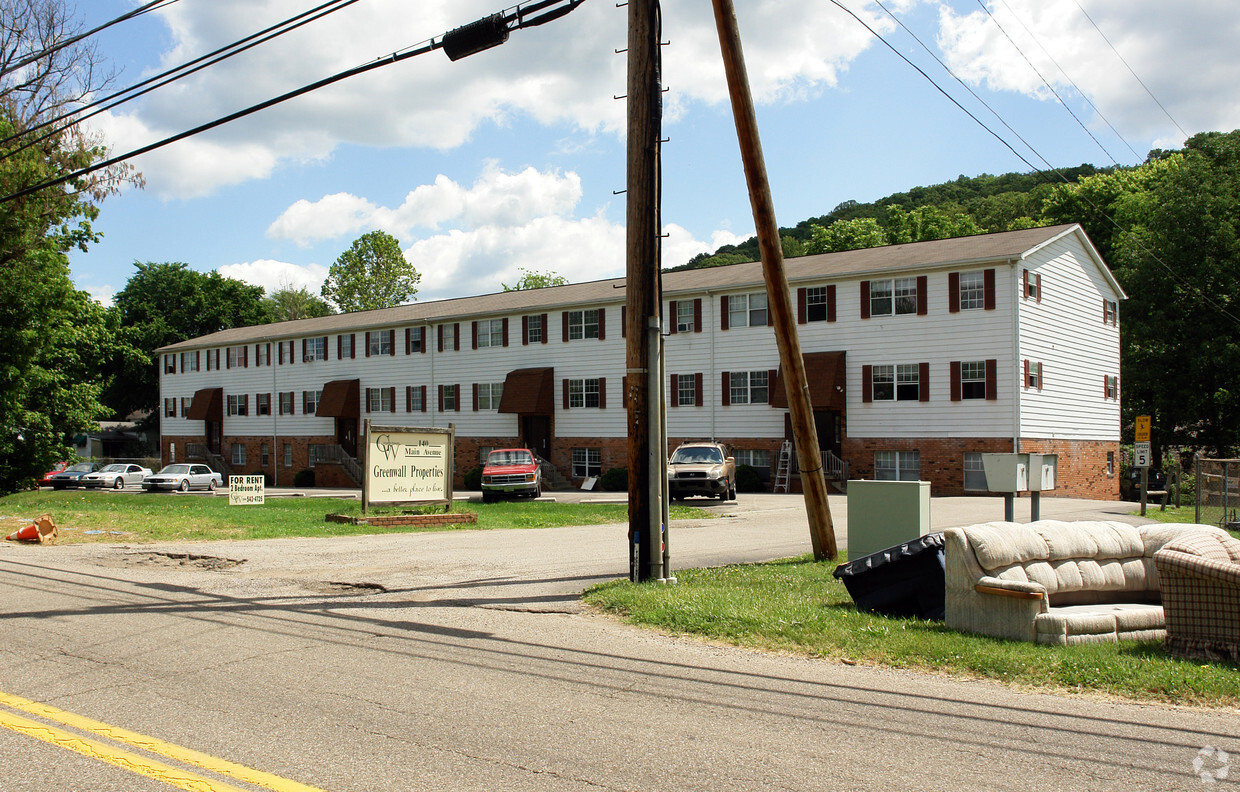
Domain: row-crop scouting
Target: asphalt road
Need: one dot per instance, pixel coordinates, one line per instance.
(462, 661)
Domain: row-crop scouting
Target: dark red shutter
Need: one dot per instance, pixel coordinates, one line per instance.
(923, 382)
(368, 399)
(1024, 288)
(456, 336)
(602, 393)
(697, 314)
(865, 299)
(867, 384)
(441, 387)
(723, 312)
(367, 343)
(525, 331)
(1026, 384)
(955, 379)
(422, 340)
(197, 360)
(352, 345)
(474, 332)
(564, 329)
(546, 329)
(831, 303)
(279, 354)
(988, 286)
(801, 306)
(697, 389)
(245, 357)
(228, 360)
(671, 310)
(1041, 377)
(771, 374)
(674, 393)
(505, 331)
(565, 393)
(475, 397)
(953, 295)
(440, 343)
(408, 343)
(1039, 283)
(408, 398)
(392, 396)
(305, 348)
(725, 397)
(992, 379)
(922, 298)
(456, 390)
(624, 321)
(602, 324)
(423, 398)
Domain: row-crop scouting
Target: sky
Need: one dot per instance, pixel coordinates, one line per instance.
(514, 158)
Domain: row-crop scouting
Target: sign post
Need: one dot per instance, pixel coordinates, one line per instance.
(1141, 455)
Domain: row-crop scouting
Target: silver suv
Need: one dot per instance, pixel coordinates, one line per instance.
(702, 468)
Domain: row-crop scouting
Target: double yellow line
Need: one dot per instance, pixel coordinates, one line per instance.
(134, 762)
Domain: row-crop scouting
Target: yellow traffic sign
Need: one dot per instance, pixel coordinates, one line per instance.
(1143, 429)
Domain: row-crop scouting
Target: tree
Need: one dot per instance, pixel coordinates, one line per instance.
(169, 302)
(54, 339)
(535, 280)
(289, 303)
(864, 232)
(373, 273)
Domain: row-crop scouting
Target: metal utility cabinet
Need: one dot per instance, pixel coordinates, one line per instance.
(883, 514)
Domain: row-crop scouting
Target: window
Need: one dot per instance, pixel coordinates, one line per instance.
(1110, 387)
(583, 324)
(974, 472)
(170, 364)
(816, 304)
(172, 453)
(884, 383)
(170, 408)
(312, 456)
(1110, 464)
(417, 339)
(316, 348)
(973, 379)
(749, 387)
(262, 354)
(238, 454)
(1033, 375)
(900, 382)
(286, 403)
(262, 403)
(684, 316)
(747, 310)
(447, 337)
(1110, 314)
(1031, 285)
(686, 390)
(583, 393)
(490, 333)
(285, 351)
(897, 465)
(238, 404)
(237, 357)
(186, 401)
(344, 346)
(189, 361)
(447, 398)
(417, 401)
(380, 343)
(534, 330)
(972, 290)
(379, 399)
(265, 454)
(587, 462)
(756, 458)
(288, 455)
(489, 395)
(310, 401)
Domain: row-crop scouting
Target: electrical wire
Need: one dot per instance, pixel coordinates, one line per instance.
(171, 75)
(154, 5)
(514, 18)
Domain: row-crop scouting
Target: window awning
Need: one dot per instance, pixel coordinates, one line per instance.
(340, 399)
(827, 376)
(529, 392)
(208, 405)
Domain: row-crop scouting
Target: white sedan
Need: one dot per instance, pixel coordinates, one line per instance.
(183, 477)
(117, 475)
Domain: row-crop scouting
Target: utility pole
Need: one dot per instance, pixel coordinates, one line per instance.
(647, 450)
(809, 457)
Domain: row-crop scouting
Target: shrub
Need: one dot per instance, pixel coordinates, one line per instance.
(304, 478)
(615, 480)
(473, 479)
(748, 480)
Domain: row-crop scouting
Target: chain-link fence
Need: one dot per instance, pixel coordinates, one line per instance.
(1218, 492)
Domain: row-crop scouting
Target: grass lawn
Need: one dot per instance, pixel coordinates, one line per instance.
(164, 517)
(795, 605)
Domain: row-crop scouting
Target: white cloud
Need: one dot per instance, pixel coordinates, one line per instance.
(275, 275)
(1146, 33)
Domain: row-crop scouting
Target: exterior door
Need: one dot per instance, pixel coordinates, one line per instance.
(536, 429)
(829, 425)
(346, 435)
(213, 436)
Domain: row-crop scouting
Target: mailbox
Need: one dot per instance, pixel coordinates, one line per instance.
(1006, 472)
(1042, 469)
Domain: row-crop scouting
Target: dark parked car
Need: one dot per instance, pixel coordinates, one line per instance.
(72, 475)
(46, 481)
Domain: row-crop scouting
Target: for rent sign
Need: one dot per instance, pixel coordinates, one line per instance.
(246, 490)
(408, 464)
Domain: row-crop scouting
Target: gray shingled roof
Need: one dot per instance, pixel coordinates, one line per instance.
(960, 251)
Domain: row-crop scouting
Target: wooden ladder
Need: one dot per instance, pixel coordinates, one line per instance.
(783, 471)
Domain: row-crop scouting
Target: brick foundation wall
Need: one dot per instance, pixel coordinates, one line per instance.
(613, 453)
(1082, 466)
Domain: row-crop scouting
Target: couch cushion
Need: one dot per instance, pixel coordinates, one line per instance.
(1079, 623)
(1089, 539)
(1155, 535)
(1215, 547)
(999, 545)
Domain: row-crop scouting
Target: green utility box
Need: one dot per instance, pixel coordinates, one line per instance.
(882, 514)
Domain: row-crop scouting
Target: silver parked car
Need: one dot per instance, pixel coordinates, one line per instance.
(116, 475)
(183, 477)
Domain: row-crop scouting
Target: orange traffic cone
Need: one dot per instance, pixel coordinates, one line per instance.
(42, 530)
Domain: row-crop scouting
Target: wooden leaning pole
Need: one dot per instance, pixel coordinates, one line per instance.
(813, 481)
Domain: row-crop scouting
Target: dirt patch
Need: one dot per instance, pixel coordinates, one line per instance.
(356, 589)
(209, 563)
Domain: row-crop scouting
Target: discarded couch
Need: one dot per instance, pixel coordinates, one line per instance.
(1199, 575)
(1058, 582)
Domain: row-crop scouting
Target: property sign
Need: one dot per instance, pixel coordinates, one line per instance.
(247, 490)
(408, 465)
(1143, 429)
(1141, 454)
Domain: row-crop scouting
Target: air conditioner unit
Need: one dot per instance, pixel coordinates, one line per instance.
(307, 358)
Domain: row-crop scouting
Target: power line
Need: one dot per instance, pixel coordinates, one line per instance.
(514, 18)
(172, 75)
(151, 6)
(1130, 71)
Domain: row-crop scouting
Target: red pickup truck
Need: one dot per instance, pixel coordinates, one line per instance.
(510, 471)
